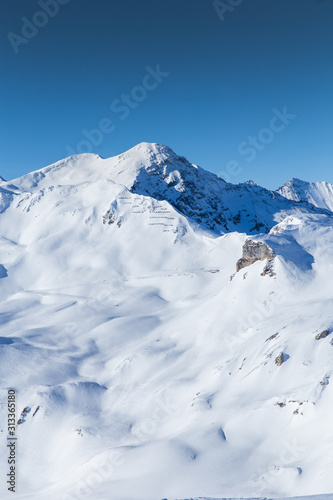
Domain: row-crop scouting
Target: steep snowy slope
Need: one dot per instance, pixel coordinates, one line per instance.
(145, 366)
(319, 194)
(156, 171)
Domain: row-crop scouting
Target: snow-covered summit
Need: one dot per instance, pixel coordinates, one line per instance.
(319, 194)
(156, 171)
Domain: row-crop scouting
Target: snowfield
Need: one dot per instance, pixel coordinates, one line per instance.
(146, 367)
(312, 497)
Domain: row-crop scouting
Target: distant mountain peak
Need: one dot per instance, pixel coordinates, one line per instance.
(319, 194)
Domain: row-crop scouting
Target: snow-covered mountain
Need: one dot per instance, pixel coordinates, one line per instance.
(319, 194)
(146, 366)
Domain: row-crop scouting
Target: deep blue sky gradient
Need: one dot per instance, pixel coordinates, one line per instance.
(225, 77)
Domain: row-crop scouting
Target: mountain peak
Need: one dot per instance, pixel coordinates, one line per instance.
(155, 171)
(319, 194)
(149, 152)
(152, 146)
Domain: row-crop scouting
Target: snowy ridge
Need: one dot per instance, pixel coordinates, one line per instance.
(156, 171)
(320, 194)
(145, 366)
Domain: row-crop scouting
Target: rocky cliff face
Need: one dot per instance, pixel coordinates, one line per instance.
(253, 251)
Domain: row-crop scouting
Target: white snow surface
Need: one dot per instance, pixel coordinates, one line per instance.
(146, 372)
(319, 194)
(311, 497)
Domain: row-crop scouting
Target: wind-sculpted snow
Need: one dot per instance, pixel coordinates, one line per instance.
(144, 365)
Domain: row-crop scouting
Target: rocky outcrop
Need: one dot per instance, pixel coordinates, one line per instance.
(323, 334)
(269, 268)
(24, 413)
(280, 359)
(253, 251)
(110, 218)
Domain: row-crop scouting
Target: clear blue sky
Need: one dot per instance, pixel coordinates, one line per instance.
(227, 72)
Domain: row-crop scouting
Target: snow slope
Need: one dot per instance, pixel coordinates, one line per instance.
(144, 362)
(311, 497)
(319, 194)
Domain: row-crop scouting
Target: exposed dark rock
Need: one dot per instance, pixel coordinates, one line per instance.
(253, 251)
(38, 407)
(280, 359)
(272, 337)
(110, 218)
(242, 263)
(237, 218)
(24, 413)
(269, 268)
(323, 334)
